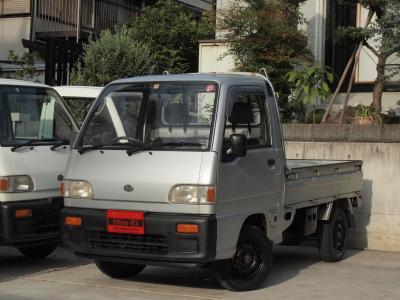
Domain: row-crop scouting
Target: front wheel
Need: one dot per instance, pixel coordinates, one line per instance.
(39, 251)
(333, 237)
(250, 265)
(119, 270)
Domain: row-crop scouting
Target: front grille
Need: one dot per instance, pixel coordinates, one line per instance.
(47, 224)
(129, 243)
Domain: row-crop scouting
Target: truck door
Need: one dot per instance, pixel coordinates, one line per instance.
(249, 183)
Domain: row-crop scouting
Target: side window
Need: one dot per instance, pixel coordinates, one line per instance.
(248, 117)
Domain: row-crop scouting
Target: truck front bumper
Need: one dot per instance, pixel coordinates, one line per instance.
(41, 227)
(160, 244)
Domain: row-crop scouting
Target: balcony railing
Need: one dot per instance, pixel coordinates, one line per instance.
(82, 18)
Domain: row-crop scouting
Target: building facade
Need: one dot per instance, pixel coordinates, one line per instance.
(323, 18)
(56, 28)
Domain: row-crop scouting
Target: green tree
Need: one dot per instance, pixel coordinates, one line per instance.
(173, 32)
(310, 84)
(113, 56)
(25, 64)
(383, 31)
(265, 34)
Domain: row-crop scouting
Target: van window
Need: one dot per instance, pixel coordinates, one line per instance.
(33, 114)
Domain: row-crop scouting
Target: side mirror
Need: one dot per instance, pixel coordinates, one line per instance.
(238, 145)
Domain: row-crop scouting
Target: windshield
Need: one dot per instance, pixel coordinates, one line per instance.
(159, 114)
(32, 114)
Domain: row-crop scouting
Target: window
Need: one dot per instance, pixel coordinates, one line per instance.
(32, 114)
(13, 7)
(163, 115)
(248, 117)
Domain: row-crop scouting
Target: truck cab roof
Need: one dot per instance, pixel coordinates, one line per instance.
(216, 77)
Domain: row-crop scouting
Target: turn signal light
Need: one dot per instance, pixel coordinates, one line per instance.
(62, 189)
(73, 221)
(211, 194)
(4, 184)
(23, 213)
(187, 228)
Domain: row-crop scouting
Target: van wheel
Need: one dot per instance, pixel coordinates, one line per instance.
(39, 251)
(119, 270)
(333, 237)
(250, 265)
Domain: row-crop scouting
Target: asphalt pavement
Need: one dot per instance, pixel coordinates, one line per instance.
(297, 274)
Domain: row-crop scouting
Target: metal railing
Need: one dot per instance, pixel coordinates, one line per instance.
(82, 17)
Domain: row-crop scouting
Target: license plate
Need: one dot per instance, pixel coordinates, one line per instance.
(122, 221)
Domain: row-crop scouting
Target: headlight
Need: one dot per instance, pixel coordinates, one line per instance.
(192, 194)
(16, 184)
(78, 189)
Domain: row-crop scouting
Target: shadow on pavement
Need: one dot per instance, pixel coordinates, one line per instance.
(13, 264)
(288, 263)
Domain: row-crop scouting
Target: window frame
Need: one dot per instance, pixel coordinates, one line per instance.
(260, 93)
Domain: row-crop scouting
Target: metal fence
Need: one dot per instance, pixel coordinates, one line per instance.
(82, 17)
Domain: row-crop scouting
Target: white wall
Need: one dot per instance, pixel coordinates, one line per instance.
(12, 31)
(367, 67)
(314, 11)
(389, 101)
(378, 220)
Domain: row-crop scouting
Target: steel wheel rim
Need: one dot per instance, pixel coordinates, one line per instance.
(339, 236)
(247, 260)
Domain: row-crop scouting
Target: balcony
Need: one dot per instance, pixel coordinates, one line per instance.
(81, 19)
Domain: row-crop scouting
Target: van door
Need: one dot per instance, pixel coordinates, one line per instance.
(248, 184)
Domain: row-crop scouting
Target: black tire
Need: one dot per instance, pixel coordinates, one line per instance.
(333, 236)
(39, 251)
(119, 270)
(251, 264)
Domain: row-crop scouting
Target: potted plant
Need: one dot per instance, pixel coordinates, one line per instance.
(365, 115)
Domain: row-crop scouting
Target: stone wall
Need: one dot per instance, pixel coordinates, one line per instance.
(378, 220)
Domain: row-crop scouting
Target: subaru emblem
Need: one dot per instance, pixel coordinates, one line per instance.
(128, 188)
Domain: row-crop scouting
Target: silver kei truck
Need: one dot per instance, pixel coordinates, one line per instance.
(35, 126)
(191, 170)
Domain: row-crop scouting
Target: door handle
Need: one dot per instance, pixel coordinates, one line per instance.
(271, 163)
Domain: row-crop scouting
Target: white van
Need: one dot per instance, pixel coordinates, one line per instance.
(79, 99)
(35, 129)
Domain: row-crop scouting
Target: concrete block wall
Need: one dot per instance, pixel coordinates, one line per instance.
(378, 220)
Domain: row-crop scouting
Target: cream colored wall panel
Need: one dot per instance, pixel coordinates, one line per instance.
(12, 31)
(211, 58)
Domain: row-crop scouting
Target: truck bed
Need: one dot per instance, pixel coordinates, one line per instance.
(319, 181)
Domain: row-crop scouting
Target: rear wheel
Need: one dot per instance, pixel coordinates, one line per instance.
(250, 265)
(119, 270)
(39, 251)
(333, 237)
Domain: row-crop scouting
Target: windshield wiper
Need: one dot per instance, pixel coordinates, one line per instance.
(179, 144)
(161, 145)
(131, 142)
(33, 142)
(58, 144)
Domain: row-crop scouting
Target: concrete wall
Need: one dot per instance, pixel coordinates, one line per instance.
(378, 220)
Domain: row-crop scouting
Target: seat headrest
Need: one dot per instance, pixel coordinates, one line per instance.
(176, 113)
(241, 114)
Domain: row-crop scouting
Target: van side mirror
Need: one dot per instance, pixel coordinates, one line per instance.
(238, 145)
